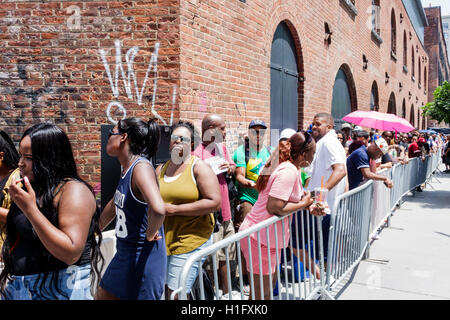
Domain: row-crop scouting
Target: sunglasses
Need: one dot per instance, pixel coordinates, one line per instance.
(184, 140)
(112, 133)
(259, 132)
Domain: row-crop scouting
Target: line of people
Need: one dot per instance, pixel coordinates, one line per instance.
(163, 215)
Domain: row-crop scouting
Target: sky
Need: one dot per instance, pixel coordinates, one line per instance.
(445, 5)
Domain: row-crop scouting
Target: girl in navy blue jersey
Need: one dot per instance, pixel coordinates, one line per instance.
(137, 270)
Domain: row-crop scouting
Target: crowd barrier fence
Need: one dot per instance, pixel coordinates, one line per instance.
(305, 274)
(362, 212)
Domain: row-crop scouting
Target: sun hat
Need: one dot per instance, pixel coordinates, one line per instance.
(287, 133)
(382, 144)
(346, 125)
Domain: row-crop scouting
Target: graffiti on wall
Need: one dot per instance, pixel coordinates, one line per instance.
(130, 80)
(37, 98)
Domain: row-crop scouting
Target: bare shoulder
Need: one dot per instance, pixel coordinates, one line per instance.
(143, 169)
(201, 166)
(75, 193)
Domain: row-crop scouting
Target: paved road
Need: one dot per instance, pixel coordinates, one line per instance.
(411, 258)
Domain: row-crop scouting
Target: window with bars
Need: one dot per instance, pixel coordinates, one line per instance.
(393, 36)
(376, 21)
(405, 52)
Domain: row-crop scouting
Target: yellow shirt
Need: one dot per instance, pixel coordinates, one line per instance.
(183, 234)
(7, 201)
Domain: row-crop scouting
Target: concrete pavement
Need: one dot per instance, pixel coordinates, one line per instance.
(411, 258)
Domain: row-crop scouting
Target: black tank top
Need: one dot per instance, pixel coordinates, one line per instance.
(27, 251)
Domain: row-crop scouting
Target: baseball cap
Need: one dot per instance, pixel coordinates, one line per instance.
(287, 133)
(382, 144)
(346, 125)
(254, 123)
(421, 140)
(358, 128)
(362, 133)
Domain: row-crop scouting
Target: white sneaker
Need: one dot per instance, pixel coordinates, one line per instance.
(234, 296)
(246, 290)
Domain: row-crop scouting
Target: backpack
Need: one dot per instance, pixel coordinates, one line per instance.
(207, 287)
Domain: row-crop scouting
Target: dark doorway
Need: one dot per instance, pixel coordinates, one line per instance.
(391, 104)
(344, 97)
(284, 77)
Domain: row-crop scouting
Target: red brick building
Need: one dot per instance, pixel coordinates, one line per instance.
(436, 48)
(82, 64)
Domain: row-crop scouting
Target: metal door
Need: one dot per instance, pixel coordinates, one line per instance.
(341, 104)
(283, 82)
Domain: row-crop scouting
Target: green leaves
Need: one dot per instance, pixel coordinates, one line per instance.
(439, 108)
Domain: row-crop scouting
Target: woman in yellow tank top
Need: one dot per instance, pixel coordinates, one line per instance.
(191, 192)
(9, 159)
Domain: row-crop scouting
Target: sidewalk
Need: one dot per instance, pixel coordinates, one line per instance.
(411, 258)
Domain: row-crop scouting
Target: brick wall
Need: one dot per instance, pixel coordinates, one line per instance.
(53, 61)
(60, 61)
(434, 35)
(225, 57)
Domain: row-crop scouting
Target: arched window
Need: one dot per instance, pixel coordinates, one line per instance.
(423, 123)
(418, 118)
(404, 109)
(420, 72)
(405, 49)
(413, 62)
(393, 33)
(344, 98)
(411, 116)
(285, 88)
(376, 16)
(374, 104)
(425, 78)
(391, 105)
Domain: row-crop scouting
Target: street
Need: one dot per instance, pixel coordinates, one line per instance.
(410, 259)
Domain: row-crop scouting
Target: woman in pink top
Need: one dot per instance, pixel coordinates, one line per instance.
(280, 193)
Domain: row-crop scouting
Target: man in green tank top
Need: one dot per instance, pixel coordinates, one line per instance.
(250, 159)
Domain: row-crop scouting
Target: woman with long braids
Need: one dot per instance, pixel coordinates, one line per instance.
(137, 270)
(9, 159)
(280, 193)
(50, 251)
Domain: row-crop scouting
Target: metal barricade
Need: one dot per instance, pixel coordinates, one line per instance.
(349, 232)
(352, 225)
(355, 218)
(381, 204)
(305, 235)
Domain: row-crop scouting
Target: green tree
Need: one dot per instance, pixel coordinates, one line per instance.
(439, 108)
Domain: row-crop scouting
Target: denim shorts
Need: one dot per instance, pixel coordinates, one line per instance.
(175, 264)
(74, 283)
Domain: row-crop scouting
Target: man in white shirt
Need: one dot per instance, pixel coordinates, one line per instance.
(330, 163)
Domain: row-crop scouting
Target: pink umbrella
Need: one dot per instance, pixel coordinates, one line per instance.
(379, 120)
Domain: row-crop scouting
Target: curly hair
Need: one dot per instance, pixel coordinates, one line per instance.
(287, 150)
